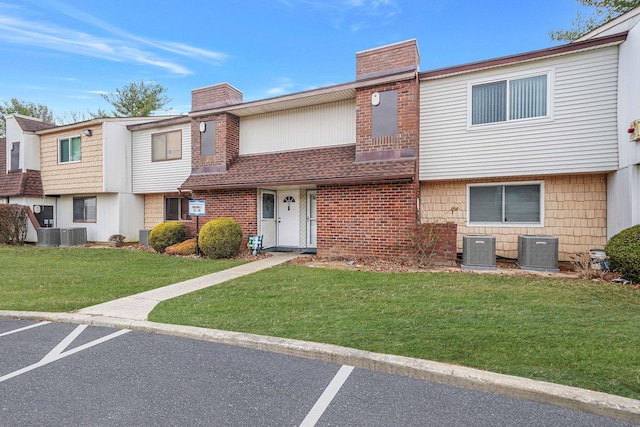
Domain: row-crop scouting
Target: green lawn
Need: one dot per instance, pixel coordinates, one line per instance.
(579, 333)
(66, 279)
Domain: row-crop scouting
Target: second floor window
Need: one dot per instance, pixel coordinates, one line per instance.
(509, 99)
(69, 150)
(166, 146)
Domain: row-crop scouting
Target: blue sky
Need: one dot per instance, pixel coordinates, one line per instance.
(64, 53)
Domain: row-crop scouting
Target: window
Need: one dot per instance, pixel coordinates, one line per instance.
(384, 115)
(208, 138)
(166, 146)
(15, 156)
(69, 150)
(268, 206)
(510, 99)
(505, 204)
(176, 209)
(84, 209)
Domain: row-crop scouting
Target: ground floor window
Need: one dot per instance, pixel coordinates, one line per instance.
(176, 209)
(517, 203)
(85, 209)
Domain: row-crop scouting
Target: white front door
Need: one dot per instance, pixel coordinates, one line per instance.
(312, 219)
(268, 219)
(289, 218)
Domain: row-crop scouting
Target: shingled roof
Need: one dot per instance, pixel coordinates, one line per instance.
(32, 125)
(331, 165)
(17, 183)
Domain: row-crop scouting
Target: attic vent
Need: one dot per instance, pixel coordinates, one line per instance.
(478, 253)
(48, 237)
(538, 253)
(73, 236)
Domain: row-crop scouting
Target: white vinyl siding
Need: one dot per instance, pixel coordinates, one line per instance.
(308, 127)
(115, 214)
(580, 137)
(157, 177)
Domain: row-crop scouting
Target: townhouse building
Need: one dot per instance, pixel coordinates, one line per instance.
(537, 143)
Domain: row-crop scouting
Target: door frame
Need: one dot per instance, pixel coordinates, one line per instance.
(273, 222)
(310, 195)
(281, 227)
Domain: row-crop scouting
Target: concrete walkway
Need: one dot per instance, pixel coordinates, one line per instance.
(138, 307)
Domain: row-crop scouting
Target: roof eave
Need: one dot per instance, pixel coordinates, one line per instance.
(304, 99)
(594, 43)
(328, 181)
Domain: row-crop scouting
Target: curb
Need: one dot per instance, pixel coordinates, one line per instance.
(607, 405)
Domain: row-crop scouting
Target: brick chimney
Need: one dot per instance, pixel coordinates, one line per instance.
(390, 59)
(216, 96)
(387, 111)
(215, 138)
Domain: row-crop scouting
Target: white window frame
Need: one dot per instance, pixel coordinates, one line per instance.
(502, 223)
(68, 138)
(165, 155)
(549, 72)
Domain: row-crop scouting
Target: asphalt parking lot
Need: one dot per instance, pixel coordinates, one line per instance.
(75, 375)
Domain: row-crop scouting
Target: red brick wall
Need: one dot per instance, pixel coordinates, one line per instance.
(368, 220)
(239, 204)
(391, 58)
(445, 237)
(227, 142)
(215, 96)
(408, 118)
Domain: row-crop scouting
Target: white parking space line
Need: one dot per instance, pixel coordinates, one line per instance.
(58, 352)
(15, 331)
(327, 396)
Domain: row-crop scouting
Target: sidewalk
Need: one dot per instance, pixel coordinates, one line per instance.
(138, 306)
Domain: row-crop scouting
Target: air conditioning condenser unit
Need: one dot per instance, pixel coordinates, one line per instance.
(76, 236)
(538, 253)
(143, 237)
(478, 252)
(48, 236)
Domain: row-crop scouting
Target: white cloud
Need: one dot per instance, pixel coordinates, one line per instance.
(120, 46)
(353, 14)
(285, 85)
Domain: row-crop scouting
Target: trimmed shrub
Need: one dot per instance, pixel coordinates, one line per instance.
(220, 238)
(13, 224)
(166, 234)
(623, 251)
(188, 247)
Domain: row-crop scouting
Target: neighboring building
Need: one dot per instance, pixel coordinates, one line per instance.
(20, 181)
(535, 144)
(331, 170)
(161, 161)
(623, 185)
